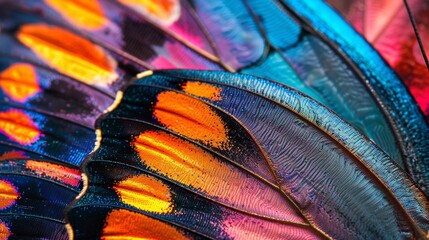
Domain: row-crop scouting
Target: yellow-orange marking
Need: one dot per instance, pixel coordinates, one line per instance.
(83, 13)
(127, 225)
(145, 193)
(4, 231)
(19, 127)
(165, 11)
(185, 162)
(69, 53)
(192, 118)
(203, 90)
(19, 81)
(8, 194)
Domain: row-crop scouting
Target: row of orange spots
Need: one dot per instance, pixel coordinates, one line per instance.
(64, 174)
(191, 118)
(192, 166)
(19, 81)
(69, 54)
(19, 127)
(83, 13)
(145, 193)
(4, 231)
(127, 225)
(8, 194)
(12, 154)
(203, 90)
(165, 12)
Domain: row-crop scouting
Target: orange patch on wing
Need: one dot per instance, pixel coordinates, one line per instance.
(12, 154)
(165, 11)
(125, 224)
(64, 174)
(203, 90)
(19, 126)
(8, 194)
(4, 231)
(83, 13)
(69, 53)
(185, 163)
(192, 118)
(145, 193)
(19, 81)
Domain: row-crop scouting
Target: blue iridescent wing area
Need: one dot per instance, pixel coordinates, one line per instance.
(220, 155)
(406, 117)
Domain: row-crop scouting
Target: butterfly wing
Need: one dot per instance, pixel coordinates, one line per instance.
(47, 117)
(122, 41)
(189, 150)
(299, 57)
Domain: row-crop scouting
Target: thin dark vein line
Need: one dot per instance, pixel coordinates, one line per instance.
(208, 36)
(206, 33)
(416, 31)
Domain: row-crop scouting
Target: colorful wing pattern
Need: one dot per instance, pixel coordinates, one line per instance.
(183, 141)
(47, 116)
(194, 154)
(270, 48)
